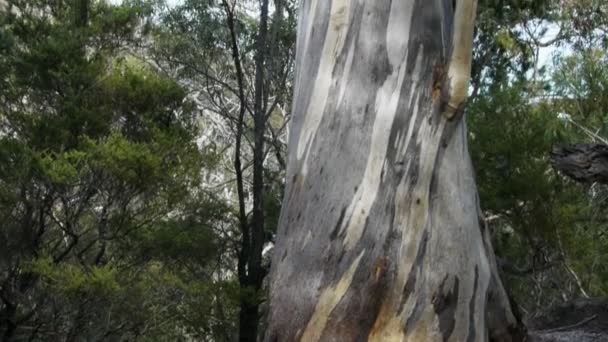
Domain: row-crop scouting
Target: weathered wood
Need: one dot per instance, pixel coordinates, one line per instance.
(581, 320)
(381, 237)
(582, 162)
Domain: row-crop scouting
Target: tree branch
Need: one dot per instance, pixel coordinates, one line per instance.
(459, 70)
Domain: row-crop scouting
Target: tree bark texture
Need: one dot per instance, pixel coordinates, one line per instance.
(585, 163)
(381, 236)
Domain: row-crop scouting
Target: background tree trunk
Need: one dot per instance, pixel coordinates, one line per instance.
(249, 316)
(81, 13)
(381, 236)
(250, 270)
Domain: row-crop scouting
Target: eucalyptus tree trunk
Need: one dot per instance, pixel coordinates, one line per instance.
(381, 237)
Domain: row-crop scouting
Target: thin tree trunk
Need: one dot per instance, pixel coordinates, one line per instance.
(248, 318)
(258, 151)
(250, 270)
(381, 237)
(8, 322)
(238, 168)
(250, 313)
(81, 12)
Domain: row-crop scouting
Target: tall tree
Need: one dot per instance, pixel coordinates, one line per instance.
(253, 275)
(106, 232)
(236, 58)
(381, 237)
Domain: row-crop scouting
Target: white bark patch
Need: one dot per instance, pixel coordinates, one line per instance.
(410, 129)
(346, 76)
(332, 47)
(329, 298)
(387, 102)
(307, 239)
(399, 23)
(459, 70)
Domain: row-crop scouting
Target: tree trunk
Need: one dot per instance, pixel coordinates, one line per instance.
(381, 236)
(7, 322)
(81, 12)
(249, 316)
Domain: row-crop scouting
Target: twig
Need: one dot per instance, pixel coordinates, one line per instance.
(568, 327)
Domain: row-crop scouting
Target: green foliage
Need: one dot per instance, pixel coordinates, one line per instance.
(502, 51)
(71, 279)
(108, 233)
(580, 81)
(543, 223)
(195, 42)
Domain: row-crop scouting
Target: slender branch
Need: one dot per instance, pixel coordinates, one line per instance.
(509, 268)
(568, 267)
(587, 131)
(459, 70)
(245, 243)
(257, 237)
(568, 327)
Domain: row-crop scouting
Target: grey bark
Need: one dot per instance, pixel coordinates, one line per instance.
(381, 237)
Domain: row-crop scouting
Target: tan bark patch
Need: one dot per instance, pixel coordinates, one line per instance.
(330, 297)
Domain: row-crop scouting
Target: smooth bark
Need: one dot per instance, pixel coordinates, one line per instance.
(381, 237)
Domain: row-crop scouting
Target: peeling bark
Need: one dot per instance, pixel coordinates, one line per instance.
(380, 234)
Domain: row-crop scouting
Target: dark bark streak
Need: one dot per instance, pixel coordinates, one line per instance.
(355, 315)
(417, 266)
(415, 315)
(445, 304)
(410, 286)
(472, 333)
(336, 230)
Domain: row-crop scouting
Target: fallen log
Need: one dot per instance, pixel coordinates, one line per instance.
(581, 320)
(586, 163)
